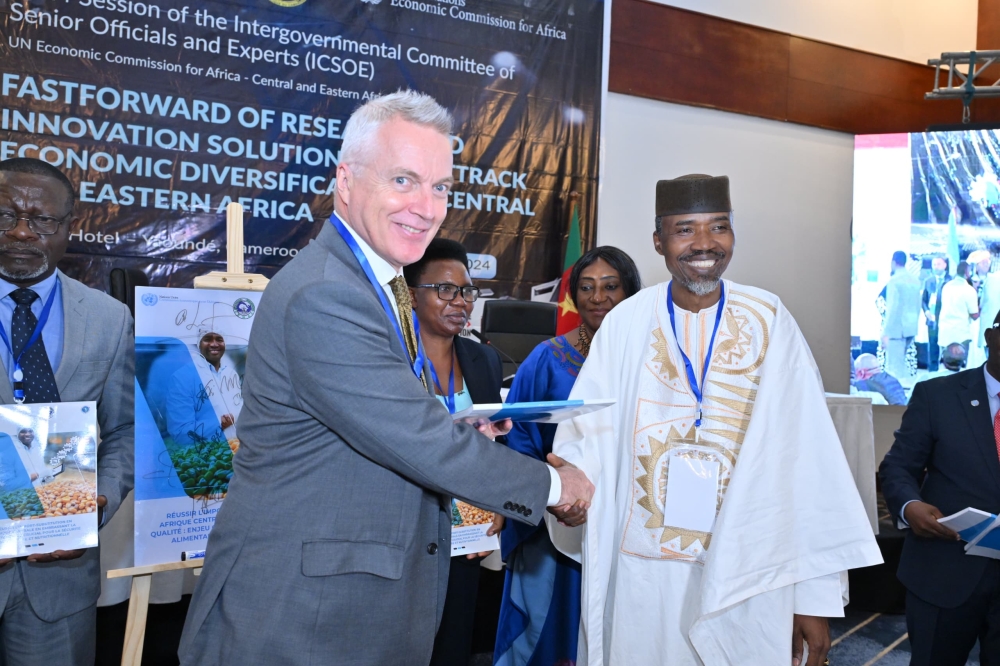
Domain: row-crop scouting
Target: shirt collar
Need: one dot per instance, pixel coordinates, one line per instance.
(992, 384)
(383, 270)
(43, 288)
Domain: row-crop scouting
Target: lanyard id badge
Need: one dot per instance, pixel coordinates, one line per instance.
(18, 373)
(696, 388)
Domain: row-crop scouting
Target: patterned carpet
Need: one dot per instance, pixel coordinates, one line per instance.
(867, 639)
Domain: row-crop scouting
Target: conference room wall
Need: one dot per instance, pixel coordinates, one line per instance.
(912, 30)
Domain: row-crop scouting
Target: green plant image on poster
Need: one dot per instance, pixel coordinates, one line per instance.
(204, 467)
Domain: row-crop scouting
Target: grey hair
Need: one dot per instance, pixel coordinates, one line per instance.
(408, 105)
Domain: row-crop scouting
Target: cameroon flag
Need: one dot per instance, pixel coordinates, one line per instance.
(569, 318)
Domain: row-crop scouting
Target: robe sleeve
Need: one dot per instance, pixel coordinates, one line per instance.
(823, 596)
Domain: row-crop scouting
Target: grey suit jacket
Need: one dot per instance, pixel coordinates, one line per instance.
(98, 363)
(333, 544)
(902, 305)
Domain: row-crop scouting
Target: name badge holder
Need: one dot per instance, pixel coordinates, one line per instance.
(18, 374)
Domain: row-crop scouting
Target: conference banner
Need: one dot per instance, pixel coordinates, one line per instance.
(190, 357)
(163, 112)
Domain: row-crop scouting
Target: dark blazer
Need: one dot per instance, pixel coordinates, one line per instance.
(483, 374)
(946, 430)
(932, 286)
(333, 544)
(481, 368)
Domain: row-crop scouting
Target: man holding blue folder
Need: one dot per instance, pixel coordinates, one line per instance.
(949, 438)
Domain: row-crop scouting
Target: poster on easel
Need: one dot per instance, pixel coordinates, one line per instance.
(48, 477)
(190, 352)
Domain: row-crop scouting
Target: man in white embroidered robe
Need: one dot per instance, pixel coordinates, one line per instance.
(720, 532)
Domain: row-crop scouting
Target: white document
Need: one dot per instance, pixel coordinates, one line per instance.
(967, 522)
(692, 492)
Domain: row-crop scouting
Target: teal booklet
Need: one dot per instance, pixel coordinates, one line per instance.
(552, 411)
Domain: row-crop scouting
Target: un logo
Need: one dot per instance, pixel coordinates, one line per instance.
(243, 308)
(149, 299)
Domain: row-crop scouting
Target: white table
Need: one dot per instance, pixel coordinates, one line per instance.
(852, 417)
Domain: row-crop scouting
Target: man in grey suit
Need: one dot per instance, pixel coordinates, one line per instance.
(333, 544)
(86, 352)
(902, 313)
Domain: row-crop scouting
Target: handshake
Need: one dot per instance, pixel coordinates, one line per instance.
(577, 492)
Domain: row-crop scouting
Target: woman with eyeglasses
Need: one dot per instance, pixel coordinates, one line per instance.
(461, 372)
(540, 612)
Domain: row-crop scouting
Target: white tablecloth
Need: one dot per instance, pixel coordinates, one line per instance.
(852, 416)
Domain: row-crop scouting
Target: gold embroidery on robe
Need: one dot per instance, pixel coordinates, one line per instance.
(664, 423)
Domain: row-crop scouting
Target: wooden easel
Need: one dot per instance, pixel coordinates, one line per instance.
(142, 577)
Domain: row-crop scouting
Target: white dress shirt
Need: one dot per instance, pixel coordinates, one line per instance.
(384, 272)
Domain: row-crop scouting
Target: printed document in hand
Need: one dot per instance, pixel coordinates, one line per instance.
(552, 411)
(978, 528)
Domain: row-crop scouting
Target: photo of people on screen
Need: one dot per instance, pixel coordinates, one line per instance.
(32, 454)
(926, 258)
(204, 399)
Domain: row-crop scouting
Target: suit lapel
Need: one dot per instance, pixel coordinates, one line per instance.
(976, 404)
(331, 241)
(75, 322)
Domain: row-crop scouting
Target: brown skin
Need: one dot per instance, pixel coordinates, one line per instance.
(815, 632)
(599, 290)
(682, 241)
(440, 321)
(923, 517)
(26, 437)
(213, 347)
(685, 239)
(23, 250)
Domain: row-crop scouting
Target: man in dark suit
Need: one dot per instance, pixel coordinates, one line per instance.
(333, 545)
(48, 602)
(931, 303)
(944, 459)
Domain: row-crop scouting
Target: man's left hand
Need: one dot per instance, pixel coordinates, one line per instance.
(63, 555)
(815, 632)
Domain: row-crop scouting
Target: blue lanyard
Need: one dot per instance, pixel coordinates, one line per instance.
(449, 397)
(418, 362)
(692, 381)
(37, 333)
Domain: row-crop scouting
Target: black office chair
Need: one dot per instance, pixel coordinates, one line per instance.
(123, 283)
(514, 328)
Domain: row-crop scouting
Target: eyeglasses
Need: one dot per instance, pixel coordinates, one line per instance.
(448, 292)
(43, 225)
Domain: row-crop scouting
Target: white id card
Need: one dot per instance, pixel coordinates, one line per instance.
(692, 492)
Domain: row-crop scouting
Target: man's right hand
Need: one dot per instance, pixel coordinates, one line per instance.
(577, 491)
(923, 520)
